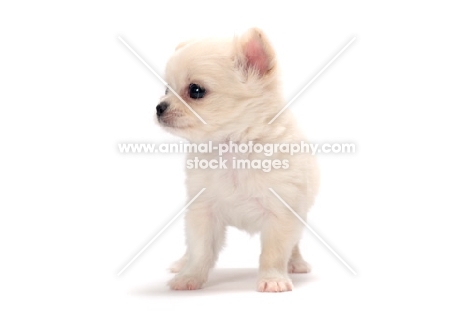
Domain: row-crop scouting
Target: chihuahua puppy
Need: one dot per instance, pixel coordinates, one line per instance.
(233, 85)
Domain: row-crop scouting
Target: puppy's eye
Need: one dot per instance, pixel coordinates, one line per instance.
(196, 91)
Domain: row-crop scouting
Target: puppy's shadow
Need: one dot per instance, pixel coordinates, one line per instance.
(222, 280)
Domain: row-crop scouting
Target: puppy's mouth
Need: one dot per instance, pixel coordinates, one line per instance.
(171, 120)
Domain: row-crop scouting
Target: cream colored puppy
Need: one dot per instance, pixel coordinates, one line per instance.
(233, 85)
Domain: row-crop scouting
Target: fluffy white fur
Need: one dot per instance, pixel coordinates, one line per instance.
(243, 94)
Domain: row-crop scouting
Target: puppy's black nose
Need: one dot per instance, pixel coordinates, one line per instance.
(161, 108)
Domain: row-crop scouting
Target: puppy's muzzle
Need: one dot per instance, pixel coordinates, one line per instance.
(161, 108)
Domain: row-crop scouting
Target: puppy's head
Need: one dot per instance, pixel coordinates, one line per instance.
(231, 84)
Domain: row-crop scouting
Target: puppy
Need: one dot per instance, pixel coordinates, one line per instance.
(233, 85)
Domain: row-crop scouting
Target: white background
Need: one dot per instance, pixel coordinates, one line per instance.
(74, 211)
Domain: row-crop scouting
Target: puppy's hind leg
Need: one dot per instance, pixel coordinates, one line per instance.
(205, 237)
(179, 264)
(296, 263)
(279, 235)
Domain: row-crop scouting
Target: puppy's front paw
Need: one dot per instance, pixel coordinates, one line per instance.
(274, 285)
(298, 266)
(186, 282)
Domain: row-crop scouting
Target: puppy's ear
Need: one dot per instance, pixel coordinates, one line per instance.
(182, 44)
(254, 52)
